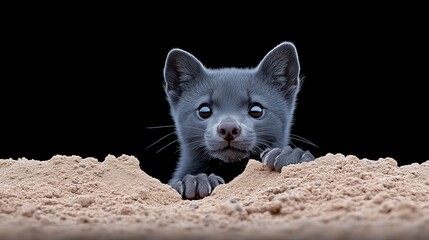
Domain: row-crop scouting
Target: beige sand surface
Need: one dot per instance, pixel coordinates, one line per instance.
(334, 197)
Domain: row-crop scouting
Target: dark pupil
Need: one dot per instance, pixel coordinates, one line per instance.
(255, 111)
(205, 112)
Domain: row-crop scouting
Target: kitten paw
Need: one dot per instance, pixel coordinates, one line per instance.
(276, 158)
(196, 186)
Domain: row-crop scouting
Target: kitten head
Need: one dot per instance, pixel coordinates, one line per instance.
(232, 113)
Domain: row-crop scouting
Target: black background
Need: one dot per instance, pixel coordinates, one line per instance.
(90, 83)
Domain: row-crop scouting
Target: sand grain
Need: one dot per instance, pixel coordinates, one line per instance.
(334, 197)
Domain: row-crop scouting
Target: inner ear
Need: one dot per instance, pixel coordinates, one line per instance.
(181, 69)
(281, 66)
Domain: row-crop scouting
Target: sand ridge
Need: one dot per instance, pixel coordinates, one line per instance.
(333, 197)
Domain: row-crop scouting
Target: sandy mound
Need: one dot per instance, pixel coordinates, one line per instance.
(334, 197)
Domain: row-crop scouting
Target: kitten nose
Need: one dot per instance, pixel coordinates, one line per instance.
(228, 130)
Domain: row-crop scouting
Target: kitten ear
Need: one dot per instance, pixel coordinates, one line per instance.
(281, 66)
(180, 69)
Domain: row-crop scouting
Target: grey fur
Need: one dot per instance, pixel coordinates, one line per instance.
(219, 143)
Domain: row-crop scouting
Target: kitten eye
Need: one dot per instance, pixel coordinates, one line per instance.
(204, 111)
(256, 110)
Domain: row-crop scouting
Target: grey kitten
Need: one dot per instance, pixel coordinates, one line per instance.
(225, 116)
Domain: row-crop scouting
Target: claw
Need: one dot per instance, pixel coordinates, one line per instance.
(264, 153)
(277, 158)
(178, 185)
(196, 186)
(307, 157)
(270, 157)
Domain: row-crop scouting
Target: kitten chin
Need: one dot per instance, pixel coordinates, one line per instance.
(230, 151)
(230, 154)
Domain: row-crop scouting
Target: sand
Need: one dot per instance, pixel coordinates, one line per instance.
(333, 197)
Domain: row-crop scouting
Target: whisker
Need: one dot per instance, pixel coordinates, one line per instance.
(256, 150)
(301, 79)
(167, 145)
(199, 146)
(261, 145)
(156, 127)
(196, 128)
(263, 142)
(205, 154)
(301, 139)
(157, 141)
(196, 145)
